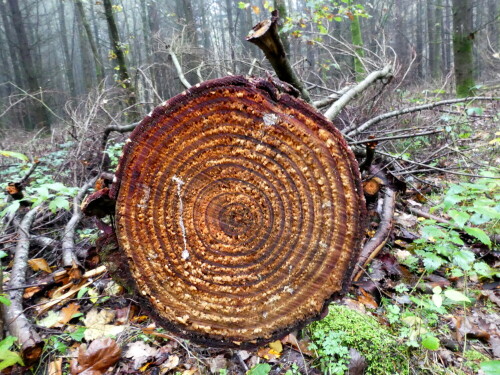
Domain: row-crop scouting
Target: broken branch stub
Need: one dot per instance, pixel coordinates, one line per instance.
(240, 211)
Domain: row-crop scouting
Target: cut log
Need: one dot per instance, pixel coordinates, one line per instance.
(240, 211)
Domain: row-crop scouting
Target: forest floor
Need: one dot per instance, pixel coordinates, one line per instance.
(429, 303)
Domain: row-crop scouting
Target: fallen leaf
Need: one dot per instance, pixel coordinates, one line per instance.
(38, 264)
(68, 312)
(139, 352)
(171, 363)
(51, 320)
(302, 346)
(97, 358)
(357, 363)
(367, 299)
(268, 353)
(190, 371)
(55, 367)
(276, 346)
(97, 324)
(218, 363)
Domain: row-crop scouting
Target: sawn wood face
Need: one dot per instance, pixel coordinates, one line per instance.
(239, 210)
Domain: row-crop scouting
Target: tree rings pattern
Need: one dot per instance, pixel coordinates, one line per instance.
(240, 211)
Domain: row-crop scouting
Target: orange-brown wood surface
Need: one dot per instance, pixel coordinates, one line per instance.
(240, 211)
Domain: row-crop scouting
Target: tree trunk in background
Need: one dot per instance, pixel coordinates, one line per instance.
(419, 60)
(124, 81)
(281, 7)
(68, 65)
(463, 43)
(431, 39)
(357, 40)
(437, 65)
(13, 52)
(97, 60)
(400, 42)
(229, 13)
(39, 112)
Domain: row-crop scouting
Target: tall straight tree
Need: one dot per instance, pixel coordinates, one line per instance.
(463, 43)
(97, 59)
(357, 41)
(39, 113)
(120, 59)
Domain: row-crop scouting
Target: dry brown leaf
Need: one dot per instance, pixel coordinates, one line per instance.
(302, 345)
(97, 358)
(38, 264)
(97, 324)
(171, 363)
(217, 363)
(276, 346)
(192, 371)
(55, 367)
(256, 9)
(139, 352)
(367, 299)
(68, 312)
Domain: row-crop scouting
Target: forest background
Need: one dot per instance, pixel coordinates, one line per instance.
(77, 76)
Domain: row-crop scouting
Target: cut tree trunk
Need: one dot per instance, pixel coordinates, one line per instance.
(239, 211)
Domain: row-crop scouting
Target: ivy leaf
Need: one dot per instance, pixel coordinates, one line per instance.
(459, 217)
(432, 261)
(478, 234)
(5, 300)
(7, 357)
(463, 259)
(79, 334)
(456, 296)
(58, 202)
(12, 154)
(490, 367)
(431, 343)
(260, 369)
(11, 208)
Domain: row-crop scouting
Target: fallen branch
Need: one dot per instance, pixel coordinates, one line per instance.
(68, 239)
(178, 68)
(331, 98)
(336, 107)
(17, 322)
(434, 168)
(355, 130)
(116, 128)
(378, 241)
(265, 36)
(404, 136)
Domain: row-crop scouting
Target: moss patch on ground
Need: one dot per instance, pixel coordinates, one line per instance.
(343, 329)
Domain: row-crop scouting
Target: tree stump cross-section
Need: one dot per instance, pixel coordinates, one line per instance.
(240, 211)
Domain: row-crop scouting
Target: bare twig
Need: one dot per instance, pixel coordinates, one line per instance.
(68, 239)
(403, 136)
(336, 107)
(356, 129)
(178, 68)
(378, 241)
(16, 320)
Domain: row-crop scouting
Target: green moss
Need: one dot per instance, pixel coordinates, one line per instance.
(343, 329)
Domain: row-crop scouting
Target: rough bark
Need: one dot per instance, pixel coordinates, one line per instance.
(15, 319)
(463, 43)
(39, 112)
(265, 36)
(99, 69)
(125, 80)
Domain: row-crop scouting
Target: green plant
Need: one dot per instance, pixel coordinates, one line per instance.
(343, 329)
(260, 369)
(471, 207)
(8, 357)
(114, 151)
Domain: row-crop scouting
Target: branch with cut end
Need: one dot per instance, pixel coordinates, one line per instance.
(68, 239)
(336, 107)
(378, 241)
(17, 323)
(356, 129)
(116, 128)
(265, 36)
(178, 69)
